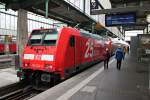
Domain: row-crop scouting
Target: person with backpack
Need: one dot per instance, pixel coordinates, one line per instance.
(119, 56)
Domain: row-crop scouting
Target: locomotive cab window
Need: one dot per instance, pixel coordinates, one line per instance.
(50, 38)
(43, 37)
(35, 38)
(72, 41)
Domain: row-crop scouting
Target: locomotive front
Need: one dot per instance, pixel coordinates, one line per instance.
(38, 61)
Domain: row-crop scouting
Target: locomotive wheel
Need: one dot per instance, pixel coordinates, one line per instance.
(37, 80)
(40, 80)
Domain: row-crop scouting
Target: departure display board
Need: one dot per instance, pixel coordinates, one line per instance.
(120, 19)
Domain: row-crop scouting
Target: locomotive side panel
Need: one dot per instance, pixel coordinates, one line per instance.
(66, 52)
(98, 50)
(87, 50)
(91, 51)
(60, 50)
(78, 51)
(69, 54)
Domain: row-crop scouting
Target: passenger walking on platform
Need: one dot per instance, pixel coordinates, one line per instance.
(106, 60)
(119, 55)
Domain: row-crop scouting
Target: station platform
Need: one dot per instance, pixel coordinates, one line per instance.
(95, 83)
(8, 76)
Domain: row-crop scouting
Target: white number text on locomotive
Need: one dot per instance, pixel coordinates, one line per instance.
(90, 49)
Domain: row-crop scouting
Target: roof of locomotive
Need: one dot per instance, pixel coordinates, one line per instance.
(90, 35)
(82, 32)
(44, 29)
(58, 29)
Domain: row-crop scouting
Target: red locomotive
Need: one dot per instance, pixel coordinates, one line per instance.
(7, 44)
(52, 55)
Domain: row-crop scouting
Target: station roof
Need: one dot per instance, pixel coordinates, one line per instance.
(141, 7)
(57, 9)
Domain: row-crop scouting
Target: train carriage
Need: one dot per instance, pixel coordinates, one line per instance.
(7, 44)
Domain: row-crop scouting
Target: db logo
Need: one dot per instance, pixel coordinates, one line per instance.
(37, 57)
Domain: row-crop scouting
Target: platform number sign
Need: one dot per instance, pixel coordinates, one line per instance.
(93, 4)
(90, 49)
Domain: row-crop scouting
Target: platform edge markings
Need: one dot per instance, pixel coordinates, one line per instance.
(76, 88)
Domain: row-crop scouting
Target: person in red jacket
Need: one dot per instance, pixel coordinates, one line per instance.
(107, 57)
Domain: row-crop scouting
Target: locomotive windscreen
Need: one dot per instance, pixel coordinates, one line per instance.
(43, 37)
(50, 39)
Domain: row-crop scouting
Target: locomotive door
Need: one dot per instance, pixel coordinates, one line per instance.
(78, 51)
(75, 44)
(72, 45)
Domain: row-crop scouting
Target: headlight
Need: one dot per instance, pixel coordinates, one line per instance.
(26, 64)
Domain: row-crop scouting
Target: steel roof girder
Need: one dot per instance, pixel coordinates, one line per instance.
(24, 4)
(120, 10)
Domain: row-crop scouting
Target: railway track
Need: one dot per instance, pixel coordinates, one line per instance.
(18, 91)
(7, 61)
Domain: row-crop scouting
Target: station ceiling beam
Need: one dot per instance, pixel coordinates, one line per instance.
(120, 10)
(126, 1)
(134, 27)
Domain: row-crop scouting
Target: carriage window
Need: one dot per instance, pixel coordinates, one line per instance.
(72, 41)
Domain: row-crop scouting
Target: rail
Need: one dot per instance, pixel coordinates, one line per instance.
(17, 91)
(7, 61)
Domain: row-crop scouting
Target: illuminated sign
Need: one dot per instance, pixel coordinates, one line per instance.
(120, 19)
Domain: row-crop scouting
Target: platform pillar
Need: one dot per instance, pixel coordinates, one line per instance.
(22, 32)
(84, 3)
(149, 76)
